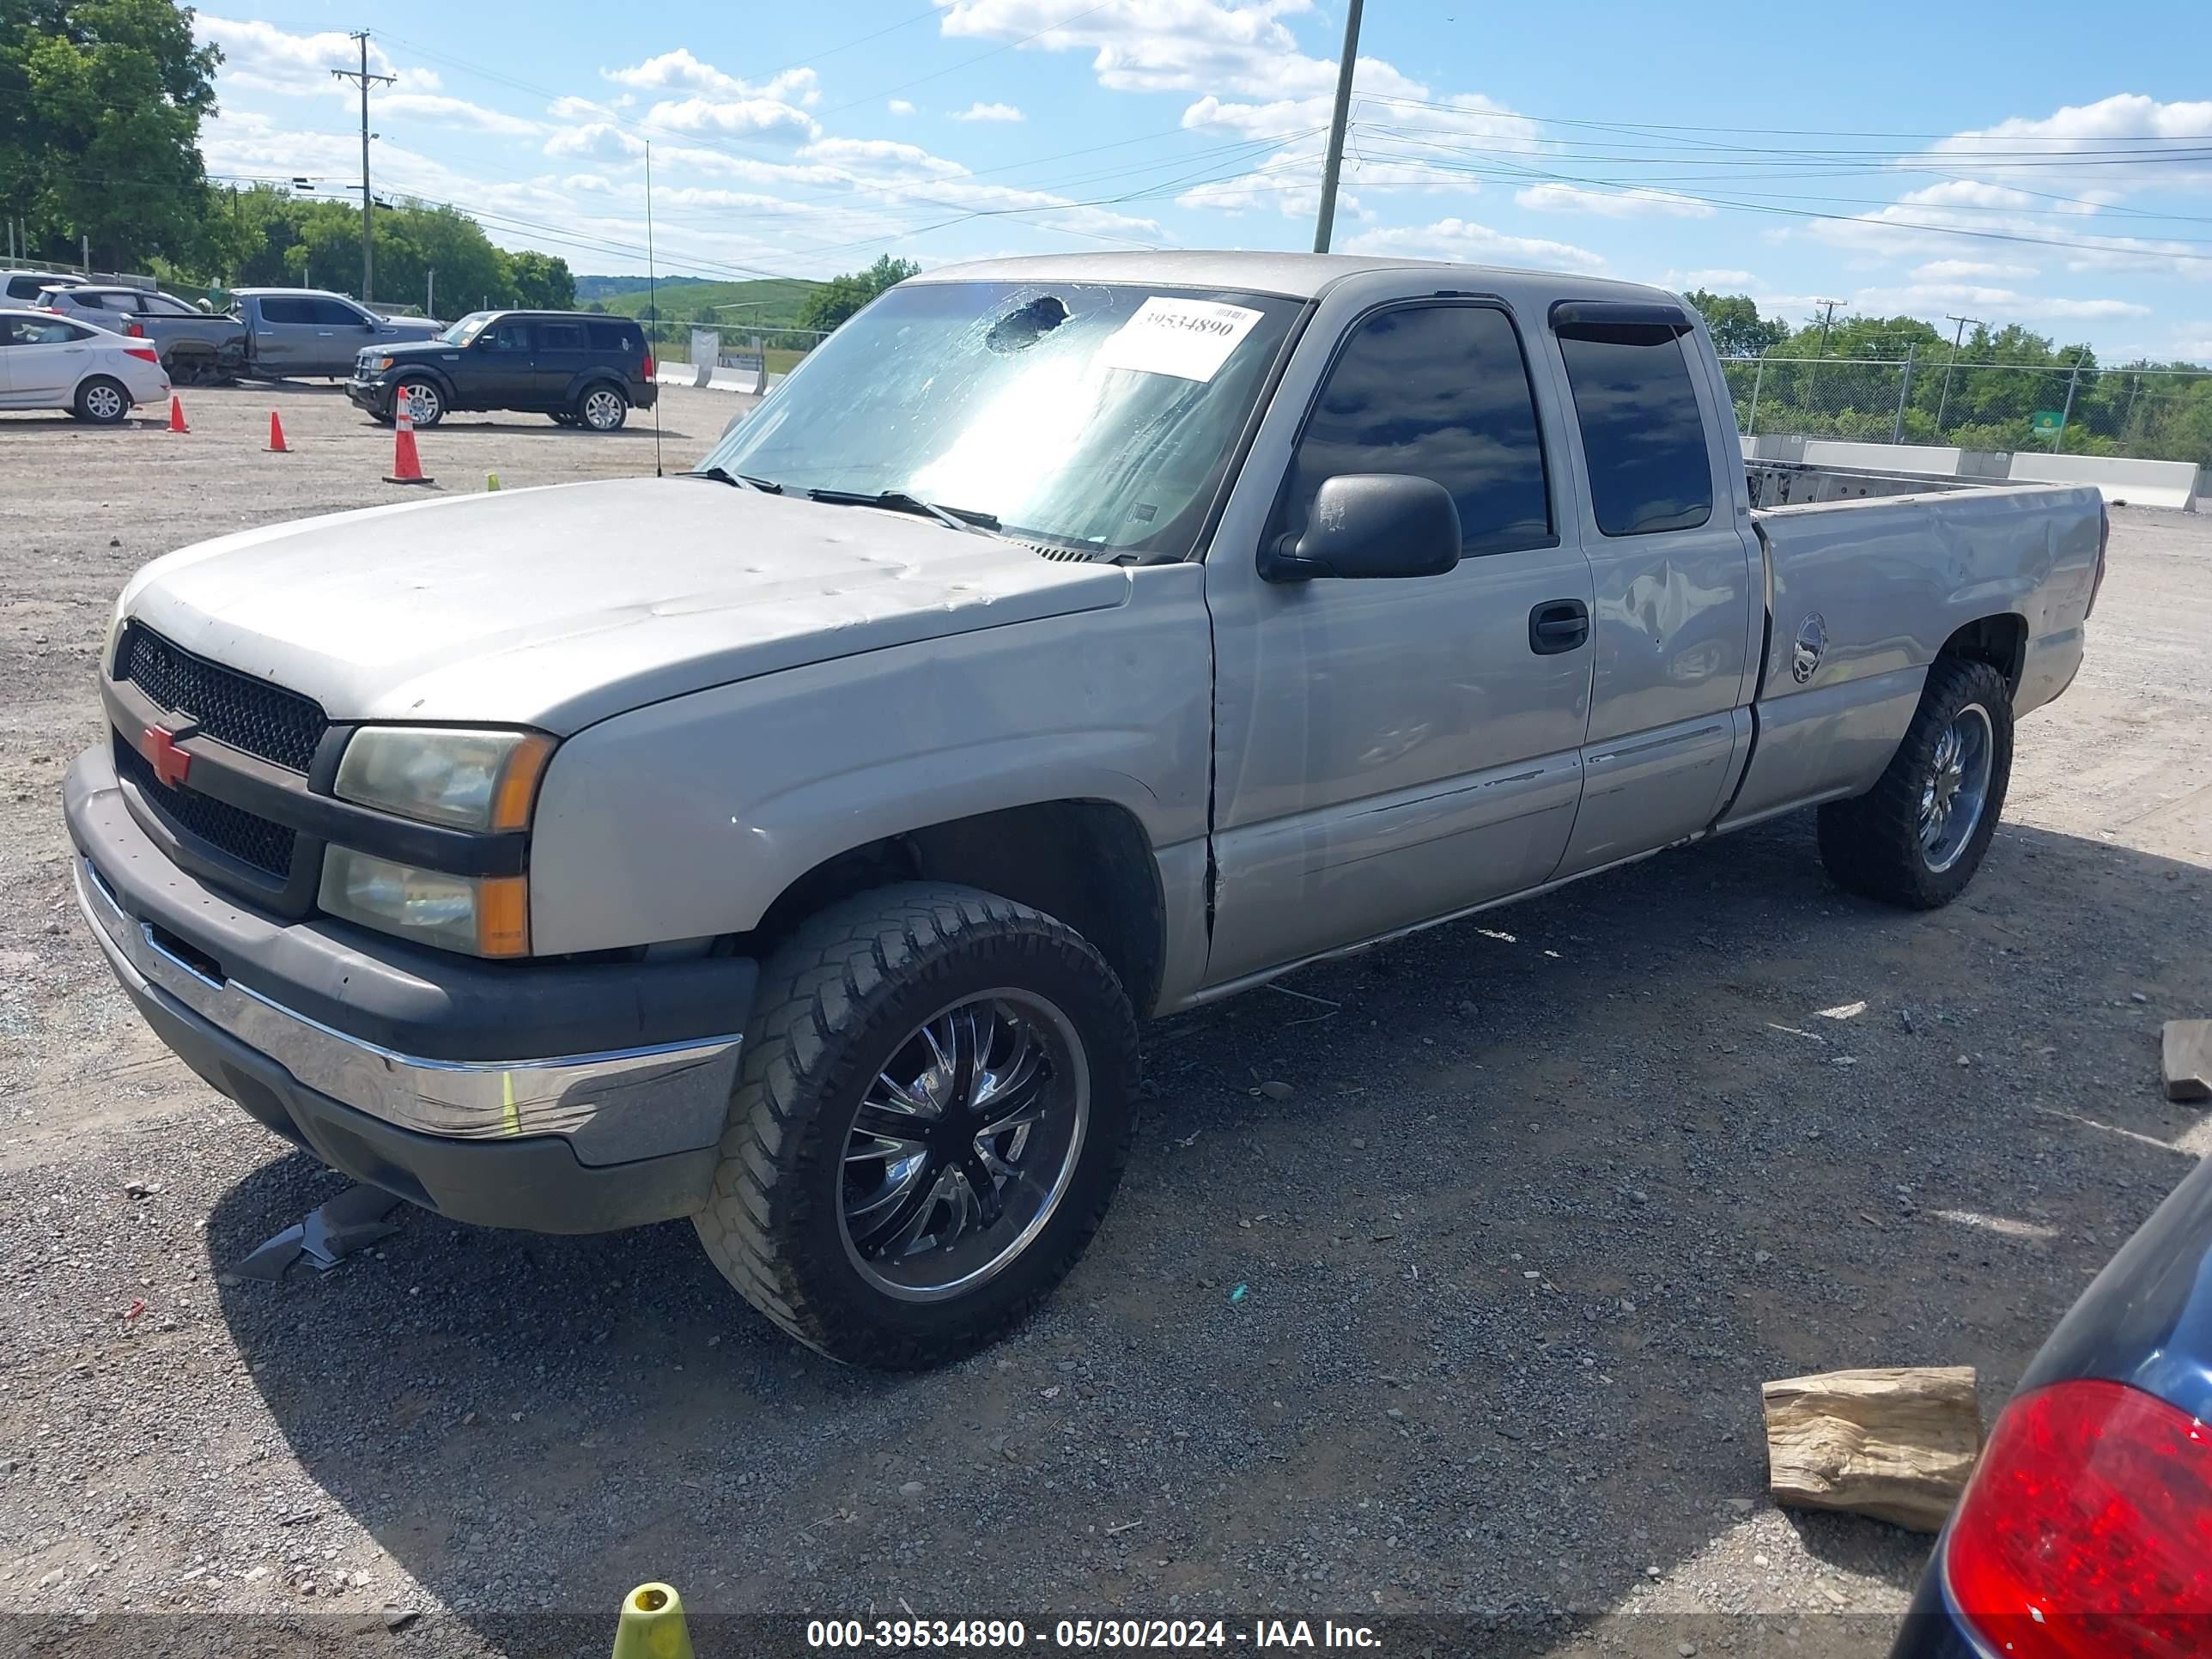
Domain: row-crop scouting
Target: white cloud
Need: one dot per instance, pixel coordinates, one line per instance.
(745, 117)
(980, 111)
(679, 71)
(598, 141)
(589, 184)
(572, 108)
(1934, 298)
(455, 112)
(1711, 279)
(900, 107)
(1958, 270)
(1464, 240)
(1158, 46)
(1637, 202)
(266, 59)
(886, 153)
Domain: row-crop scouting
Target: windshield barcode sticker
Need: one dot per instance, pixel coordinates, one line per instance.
(1188, 338)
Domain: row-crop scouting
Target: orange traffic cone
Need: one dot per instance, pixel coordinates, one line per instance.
(177, 414)
(276, 444)
(406, 464)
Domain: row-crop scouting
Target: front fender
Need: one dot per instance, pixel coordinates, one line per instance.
(688, 817)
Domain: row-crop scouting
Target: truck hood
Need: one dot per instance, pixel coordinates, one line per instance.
(561, 607)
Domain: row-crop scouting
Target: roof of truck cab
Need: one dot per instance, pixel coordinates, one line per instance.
(1294, 276)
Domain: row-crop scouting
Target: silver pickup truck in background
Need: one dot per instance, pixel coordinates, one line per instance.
(1068, 640)
(293, 331)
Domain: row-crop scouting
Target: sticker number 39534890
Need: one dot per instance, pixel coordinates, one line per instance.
(1188, 338)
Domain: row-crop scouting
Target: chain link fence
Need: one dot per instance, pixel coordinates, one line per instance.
(2147, 414)
(777, 350)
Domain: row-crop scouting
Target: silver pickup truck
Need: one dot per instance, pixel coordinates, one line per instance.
(796, 844)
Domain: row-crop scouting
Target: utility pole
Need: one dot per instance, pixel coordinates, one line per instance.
(1958, 334)
(367, 243)
(1826, 322)
(1904, 391)
(1333, 162)
(2072, 380)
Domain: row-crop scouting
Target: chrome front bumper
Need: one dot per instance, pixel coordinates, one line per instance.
(593, 1099)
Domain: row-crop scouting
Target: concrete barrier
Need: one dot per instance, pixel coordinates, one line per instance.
(2140, 484)
(1888, 457)
(732, 380)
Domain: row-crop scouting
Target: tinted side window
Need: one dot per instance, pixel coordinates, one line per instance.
(509, 336)
(1441, 393)
(117, 302)
(43, 330)
(1642, 433)
(559, 336)
(335, 313)
(612, 337)
(161, 305)
(27, 288)
(287, 308)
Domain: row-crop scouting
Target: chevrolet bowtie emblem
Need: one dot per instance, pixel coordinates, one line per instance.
(170, 763)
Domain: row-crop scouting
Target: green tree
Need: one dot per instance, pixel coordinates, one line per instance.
(101, 105)
(830, 304)
(1738, 329)
(543, 280)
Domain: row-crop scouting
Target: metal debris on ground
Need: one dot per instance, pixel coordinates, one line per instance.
(325, 1236)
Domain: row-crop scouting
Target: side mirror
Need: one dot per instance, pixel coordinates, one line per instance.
(1371, 524)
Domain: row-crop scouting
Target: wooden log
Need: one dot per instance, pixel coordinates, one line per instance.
(2187, 1059)
(1895, 1442)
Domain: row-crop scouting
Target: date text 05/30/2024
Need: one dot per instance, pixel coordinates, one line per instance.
(989, 1634)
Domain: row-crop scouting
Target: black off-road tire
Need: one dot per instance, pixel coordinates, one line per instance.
(834, 1004)
(1870, 844)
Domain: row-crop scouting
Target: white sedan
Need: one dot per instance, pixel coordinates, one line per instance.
(50, 362)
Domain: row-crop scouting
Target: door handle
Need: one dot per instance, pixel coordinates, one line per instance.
(1558, 625)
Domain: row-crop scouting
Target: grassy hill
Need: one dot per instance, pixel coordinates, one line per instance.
(589, 288)
(769, 302)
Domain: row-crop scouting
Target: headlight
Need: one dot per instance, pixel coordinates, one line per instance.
(483, 915)
(441, 774)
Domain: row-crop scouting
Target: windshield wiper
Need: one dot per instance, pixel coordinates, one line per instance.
(957, 518)
(722, 475)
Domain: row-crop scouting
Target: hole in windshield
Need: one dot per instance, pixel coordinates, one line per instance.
(1019, 329)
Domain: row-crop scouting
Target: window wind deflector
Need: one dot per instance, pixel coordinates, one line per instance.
(1581, 314)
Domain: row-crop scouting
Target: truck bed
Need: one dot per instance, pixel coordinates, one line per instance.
(1862, 593)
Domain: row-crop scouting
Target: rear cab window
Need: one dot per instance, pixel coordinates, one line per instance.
(1644, 434)
(286, 308)
(613, 337)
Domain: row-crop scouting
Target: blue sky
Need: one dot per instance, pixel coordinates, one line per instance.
(2036, 165)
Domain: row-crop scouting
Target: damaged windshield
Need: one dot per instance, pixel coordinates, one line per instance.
(1086, 416)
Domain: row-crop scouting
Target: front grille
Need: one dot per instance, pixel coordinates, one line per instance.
(247, 837)
(264, 720)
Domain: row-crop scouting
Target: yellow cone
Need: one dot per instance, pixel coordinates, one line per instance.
(653, 1626)
(491, 481)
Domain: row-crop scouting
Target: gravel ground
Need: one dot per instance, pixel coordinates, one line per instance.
(1551, 1193)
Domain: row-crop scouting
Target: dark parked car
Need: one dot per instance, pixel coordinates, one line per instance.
(2086, 1530)
(581, 368)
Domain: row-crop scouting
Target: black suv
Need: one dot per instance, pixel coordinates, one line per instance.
(581, 368)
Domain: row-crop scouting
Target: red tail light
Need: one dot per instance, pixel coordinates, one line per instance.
(144, 354)
(136, 331)
(2087, 1531)
(648, 364)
